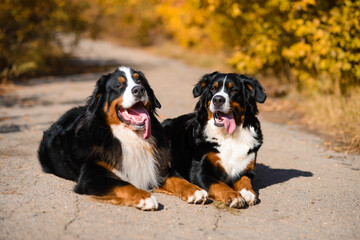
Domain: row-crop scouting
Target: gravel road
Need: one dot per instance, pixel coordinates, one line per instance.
(305, 191)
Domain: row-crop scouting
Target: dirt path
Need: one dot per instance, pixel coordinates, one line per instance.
(306, 192)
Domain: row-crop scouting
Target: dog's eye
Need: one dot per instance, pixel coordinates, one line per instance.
(213, 89)
(118, 85)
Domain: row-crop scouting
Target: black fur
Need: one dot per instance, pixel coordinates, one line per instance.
(73, 145)
(189, 146)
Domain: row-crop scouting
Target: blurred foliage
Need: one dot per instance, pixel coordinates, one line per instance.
(29, 30)
(314, 43)
(132, 22)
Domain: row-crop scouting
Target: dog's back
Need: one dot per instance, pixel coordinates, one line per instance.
(54, 153)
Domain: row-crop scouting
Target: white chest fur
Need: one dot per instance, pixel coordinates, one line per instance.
(139, 166)
(233, 148)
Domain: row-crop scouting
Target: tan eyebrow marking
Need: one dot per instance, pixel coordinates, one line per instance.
(230, 85)
(136, 75)
(216, 84)
(121, 79)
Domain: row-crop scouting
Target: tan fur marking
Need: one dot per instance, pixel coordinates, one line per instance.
(111, 112)
(216, 84)
(220, 191)
(147, 106)
(178, 187)
(136, 75)
(121, 79)
(210, 114)
(215, 160)
(250, 87)
(239, 112)
(251, 166)
(127, 195)
(231, 85)
(105, 165)
(244, 182)
(202, 84)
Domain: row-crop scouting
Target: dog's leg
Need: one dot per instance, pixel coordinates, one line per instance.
(183, 189)
(96, 179)
(208, 174)
(220, 191)
(244, 187)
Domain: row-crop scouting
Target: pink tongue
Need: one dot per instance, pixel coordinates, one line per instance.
(139, 110)
(229, 122)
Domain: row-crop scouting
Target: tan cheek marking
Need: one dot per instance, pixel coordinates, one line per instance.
(239, 112)
(147, 106)
(210, 114)
(111, 112)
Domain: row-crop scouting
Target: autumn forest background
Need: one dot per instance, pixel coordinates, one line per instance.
(306, 52)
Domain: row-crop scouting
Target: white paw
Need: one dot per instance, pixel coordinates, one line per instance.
(237, 202)
(148, 204)
(249, 197)
(200, 196)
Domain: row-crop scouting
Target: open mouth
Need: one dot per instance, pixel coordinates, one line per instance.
(137, 117)
(225, 120)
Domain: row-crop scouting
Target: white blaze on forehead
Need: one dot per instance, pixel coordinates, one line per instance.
(223, 87)
(129, 99)
(127, 72)
(226, 107)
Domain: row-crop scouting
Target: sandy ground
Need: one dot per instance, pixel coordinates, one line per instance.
(305, 191)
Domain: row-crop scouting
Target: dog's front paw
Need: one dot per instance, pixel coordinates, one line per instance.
(236, 202)
(199, 196)
(249, 196)
(232, 199)
(148, 204)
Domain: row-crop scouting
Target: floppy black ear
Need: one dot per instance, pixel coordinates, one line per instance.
(157, 103)
(257, 91)
(152, 96)
(202, 84)
(94, 99)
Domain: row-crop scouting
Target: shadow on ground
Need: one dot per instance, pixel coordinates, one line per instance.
(267, 176)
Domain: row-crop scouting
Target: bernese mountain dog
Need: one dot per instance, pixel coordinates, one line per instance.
(114, 147)
(215, 147)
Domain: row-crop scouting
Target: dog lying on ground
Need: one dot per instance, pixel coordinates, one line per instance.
(114, 146)
(215, 147)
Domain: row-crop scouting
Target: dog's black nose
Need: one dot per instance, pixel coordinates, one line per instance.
(218, 101)
(138, 91)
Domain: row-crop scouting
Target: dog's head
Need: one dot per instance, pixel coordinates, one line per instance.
(227, 98)
(125, 97)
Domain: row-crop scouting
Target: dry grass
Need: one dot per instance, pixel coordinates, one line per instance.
(336, 116)
(222, 206)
